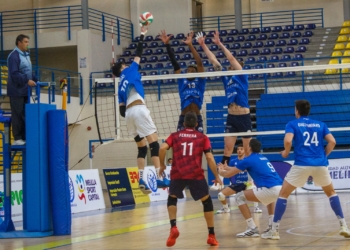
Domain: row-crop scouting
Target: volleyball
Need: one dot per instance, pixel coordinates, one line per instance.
(146, 18)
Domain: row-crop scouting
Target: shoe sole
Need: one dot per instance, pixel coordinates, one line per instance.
(213, 244)
(270, 238)
(172, 240)
(345, 234)
(251, 236)
(145, 191)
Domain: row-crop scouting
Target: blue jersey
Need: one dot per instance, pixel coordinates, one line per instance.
(130, 78)
(236, 89)
(308, 141)
(239, 178)
(191, 91)
(261, 170)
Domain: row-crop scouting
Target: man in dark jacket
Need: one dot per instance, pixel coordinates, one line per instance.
(19, 77)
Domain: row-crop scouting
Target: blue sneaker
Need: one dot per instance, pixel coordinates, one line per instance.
(163, 183)
(143, 187)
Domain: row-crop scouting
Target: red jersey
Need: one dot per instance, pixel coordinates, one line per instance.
(188, 148)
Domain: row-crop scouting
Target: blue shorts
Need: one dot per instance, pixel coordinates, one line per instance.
(238, 187)
(180, 124)
(238, 123)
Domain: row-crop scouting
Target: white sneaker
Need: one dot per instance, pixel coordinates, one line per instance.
(19, 142)
(271, 235)
(216, 187)
(223, 210)
(249, 233)
(344, 231)
(257, 210)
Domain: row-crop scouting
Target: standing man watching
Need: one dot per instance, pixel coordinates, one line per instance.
(20, 76)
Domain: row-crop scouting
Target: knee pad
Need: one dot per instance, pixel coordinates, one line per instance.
(138, 138)
(240, 198)
(208, 205)
(221, 197)
(171, 201)
(142, 152)
(154, 146)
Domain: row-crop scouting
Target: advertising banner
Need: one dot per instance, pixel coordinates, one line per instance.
(16, 196)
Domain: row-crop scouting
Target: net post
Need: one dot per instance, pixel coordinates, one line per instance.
(116, 107)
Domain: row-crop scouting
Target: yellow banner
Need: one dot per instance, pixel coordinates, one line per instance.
(133, 175)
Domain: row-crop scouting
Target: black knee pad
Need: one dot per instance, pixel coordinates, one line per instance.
(138, 138)
(154, 146)
(171, 201)
(142, 152)
(208, 205)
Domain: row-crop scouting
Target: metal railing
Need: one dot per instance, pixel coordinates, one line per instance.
(263, 19)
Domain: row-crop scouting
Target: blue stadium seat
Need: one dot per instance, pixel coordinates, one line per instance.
(258, 66)
(199, 48)
(262, 59)
(298, 57)
(288, 28)
(304, 41)
(308, 33)
(286, 58)
(126, 53)
(159, 65)
(277, 75)
(213, 47)
(285, 35)
(158, 52)
(220, 54)
(310, 26)
(148, 52)
(136, 39)
(177, 57)
(293, 42)
(276, 29)
(148, 38)
(204, 56)
(242, 52)
(294, 64)
(180, 36)
(180, 50)
(250, 60)
(170, 81)
(273, 36)
(223, 33)
(288, 50)
(164, 58)
(144, 45)
(225, 62)
(290, 74)
(236, 46)
(258, 45)
(244, 31)
(157, 38)
(296, 34)
(210, 33)
(195, 42)
(153, 45)
(143, 59)
(229, 39)
(186, 57)
(246, 67)
(164, 72)
(299, 27)
(168, 65)
(239, 59)
(142, 73)
(281, 43)
(240, 39)
(161, 44)
(274, 58)
(254, 31)
(153, 59)
(269, 44)
(121, 59)
(175, 43)
(132, 46)
(270, 65)
(265, 51)
(266, 30)
(301, 49)
(184, 65)
(247, 45)
(254, 52)
(233, 52)
(277, 51)
(130, 60)
(153, 73)
(148, 66)
(251, 38)
(207, 40)
(227, 46)
(232, 32)
(205, 62)
(262, 37)
(210, 69)
(282, 65)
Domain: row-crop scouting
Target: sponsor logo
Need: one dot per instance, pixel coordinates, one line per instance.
(81, 187)
(152, 180)
(134, 177)
(71, 189)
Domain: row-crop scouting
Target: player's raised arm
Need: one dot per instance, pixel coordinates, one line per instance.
(139, 48)
(188, 42)
(166, 40)
(212, 58)
(233, 62)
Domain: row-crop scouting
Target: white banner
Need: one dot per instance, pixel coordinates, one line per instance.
(16, 196)
(85, 190)
(150, 177)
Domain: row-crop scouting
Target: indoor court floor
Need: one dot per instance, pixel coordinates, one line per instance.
(309, 223)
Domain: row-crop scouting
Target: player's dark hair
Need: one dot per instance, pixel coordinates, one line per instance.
(116, 69)
(193, 66)
(20, 38)
(240, 145)
(190, 119)
(255, 145)
(303, 107)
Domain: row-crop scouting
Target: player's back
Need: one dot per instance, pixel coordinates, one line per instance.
(308, 141)
(188, 147)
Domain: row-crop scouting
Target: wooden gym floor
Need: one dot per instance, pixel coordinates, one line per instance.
(309, 223)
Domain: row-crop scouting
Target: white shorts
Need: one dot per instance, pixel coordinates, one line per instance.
(267, 195)
(139, 122)
(297, 176)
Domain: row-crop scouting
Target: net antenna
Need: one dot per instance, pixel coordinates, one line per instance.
(113, 57)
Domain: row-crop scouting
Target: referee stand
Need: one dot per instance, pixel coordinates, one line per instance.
(41, 216)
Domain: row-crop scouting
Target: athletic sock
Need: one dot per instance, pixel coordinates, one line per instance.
(226, 205)
(140, 174)
(173, 223)
(211, 230)
(157, 172)
(281, 205)
(256, 204)
(335, 204)
(250, 223)
(270, 219)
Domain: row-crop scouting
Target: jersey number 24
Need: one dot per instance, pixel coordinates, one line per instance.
(313, 140)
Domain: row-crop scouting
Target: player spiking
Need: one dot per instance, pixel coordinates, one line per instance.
(132, 106)
(191, 90)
